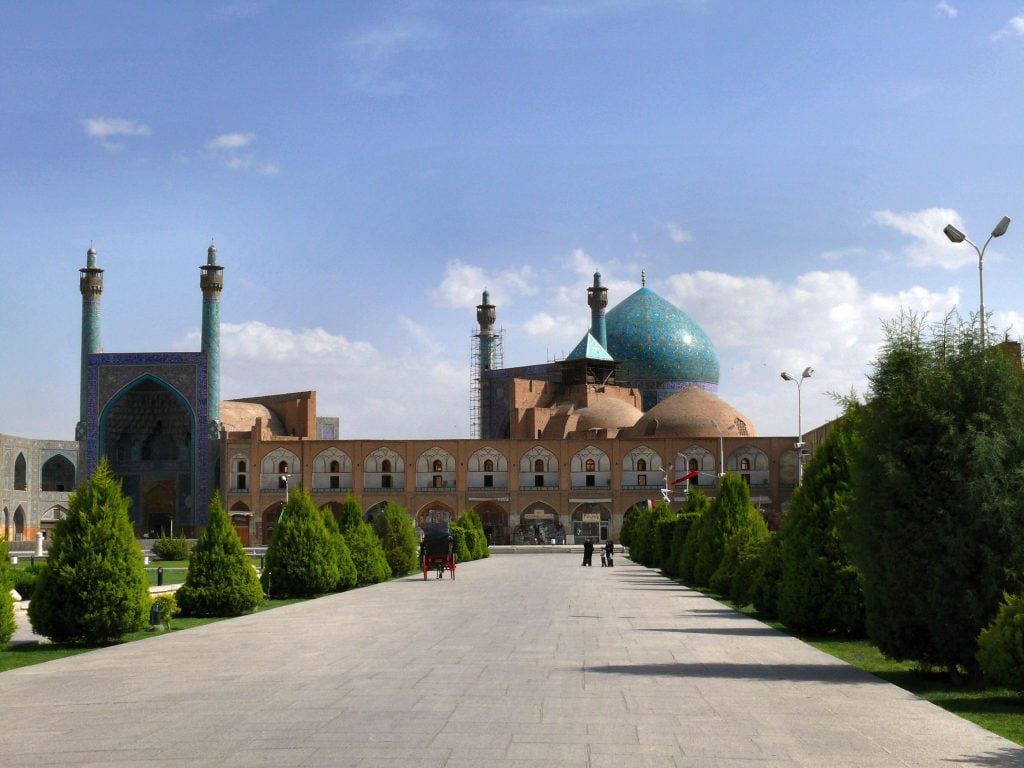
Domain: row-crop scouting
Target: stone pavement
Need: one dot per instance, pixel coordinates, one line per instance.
(522, 660)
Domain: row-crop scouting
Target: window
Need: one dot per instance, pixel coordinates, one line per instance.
(538, 465)
(438, 466)
(744, 465)
(438, 481)
(538, 481)
(385, 481)
(694, 467)
(641, 479)
(489, 465)
(488, 481)
(385, 466)
(335, 467)
(240, 467)
(282, 482)
(335, 481)
(590, 481)
(20, 473)
(240, 482)
(641, 466)
(282, 467)
(589, 466)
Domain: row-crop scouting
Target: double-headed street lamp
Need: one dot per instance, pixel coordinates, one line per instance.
(721, 446)
(799, 421)
(956, 236)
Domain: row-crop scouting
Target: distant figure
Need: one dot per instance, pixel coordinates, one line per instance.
(588, 552)
(609, 553)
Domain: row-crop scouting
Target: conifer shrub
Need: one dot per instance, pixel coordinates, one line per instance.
(462, 553)
(168, 608)
(347, 576)
(695, 511)
(363, 545)
(7, 625)
(171, 548)
(300, 560)
(764, 592)
(397, 535)
(93, 588)
(736, 572)
(664, 530)
(1001, 645)
(221, 580)
(471, 536)
(723, 518)
(471, 518)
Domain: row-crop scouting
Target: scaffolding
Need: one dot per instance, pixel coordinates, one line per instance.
(476, 375)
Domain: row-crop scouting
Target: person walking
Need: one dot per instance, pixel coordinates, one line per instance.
(609, 553)
(588, 552)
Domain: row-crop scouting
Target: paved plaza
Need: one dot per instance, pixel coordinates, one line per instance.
(522, 660)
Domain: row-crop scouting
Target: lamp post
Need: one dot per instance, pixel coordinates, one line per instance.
(721, 446)
(956, 236)
(799, 421)
(284, 479)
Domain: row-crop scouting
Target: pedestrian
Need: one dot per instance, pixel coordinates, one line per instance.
(609, 553)
(588, 552)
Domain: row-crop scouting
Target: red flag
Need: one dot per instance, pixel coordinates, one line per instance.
(688, 476)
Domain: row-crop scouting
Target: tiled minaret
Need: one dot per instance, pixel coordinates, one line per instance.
(90, 283)
(485, 315)
(597, 298)
(211, 281)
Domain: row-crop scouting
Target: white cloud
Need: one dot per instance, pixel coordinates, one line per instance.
(946, 10)
(102, 129)
(677, 234)
(353, 379)
(392, 58)
(929, 246)
(1013, 28)
(842, 253)
(226, 149)
(463, 285)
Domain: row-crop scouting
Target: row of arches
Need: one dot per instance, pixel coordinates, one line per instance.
(436, 469)
(57, 474)
(15, 523)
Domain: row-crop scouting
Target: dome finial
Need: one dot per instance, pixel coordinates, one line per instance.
(211, 254)
(643, 279)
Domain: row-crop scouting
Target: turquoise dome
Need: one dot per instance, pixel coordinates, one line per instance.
(660, 349)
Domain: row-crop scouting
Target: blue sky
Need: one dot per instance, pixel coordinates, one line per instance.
(781, 171)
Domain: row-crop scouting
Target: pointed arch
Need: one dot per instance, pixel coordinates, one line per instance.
(642, 468)
(332, 470)
(383, 469)
(435, 470)
(488, 468)
(20, 473)
(590, 468)
(538, 468)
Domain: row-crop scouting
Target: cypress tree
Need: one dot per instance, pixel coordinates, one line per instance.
(472, 518)
(300, 560)
(221, 580)
(347, 576)
(936, 526)
(819, 592)
(93, 588)
(397, 535)
(7, 624)
(696, 511)
(364, 546)
(726, 514)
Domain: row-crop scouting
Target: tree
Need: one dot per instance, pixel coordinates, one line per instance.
(936, 526)
(300, 560)
(735, 574)
(347, 576)
(1001, 646)
(221, 580)
(727, 512)
(397, 535)
(472, 518)
(7, 625)
(94, 587)
(819, 591)
(646, 548)
(697, 506)
(364, 546)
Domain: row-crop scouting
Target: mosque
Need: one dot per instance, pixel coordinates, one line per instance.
(559, 451)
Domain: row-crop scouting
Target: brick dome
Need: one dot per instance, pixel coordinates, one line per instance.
(688, 414)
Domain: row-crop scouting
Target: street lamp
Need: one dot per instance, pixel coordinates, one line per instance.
(956, 236)
(799, 421)
(284, 479)
(721, 446)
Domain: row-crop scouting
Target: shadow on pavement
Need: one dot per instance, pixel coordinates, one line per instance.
(820, 673)
(1004, 757)
(761, 631)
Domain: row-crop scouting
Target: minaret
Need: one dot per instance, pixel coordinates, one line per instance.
(485, 316)
(597, 298)
(211, 281)
(90, 283)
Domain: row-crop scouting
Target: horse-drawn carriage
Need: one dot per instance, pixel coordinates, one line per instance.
(437, 550)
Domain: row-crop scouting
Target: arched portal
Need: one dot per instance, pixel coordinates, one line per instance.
(148, 434)
(591, 521)
(20, 473)
(539, 524)
(19, 524)
(240, 519)
(269, 521)
(51, 517)
(434, 512)
(58, 474)
(373, 511)
(495, 520)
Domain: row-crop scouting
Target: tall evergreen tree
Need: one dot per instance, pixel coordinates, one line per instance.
(7, 624)
(300, 560)
(472, 517)
(696, 509)
(936, 525)
(347, 576)
(397, 535)
(728, 511)
(221, 580)
(820, 591)
(364, 546)
(94, 587)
